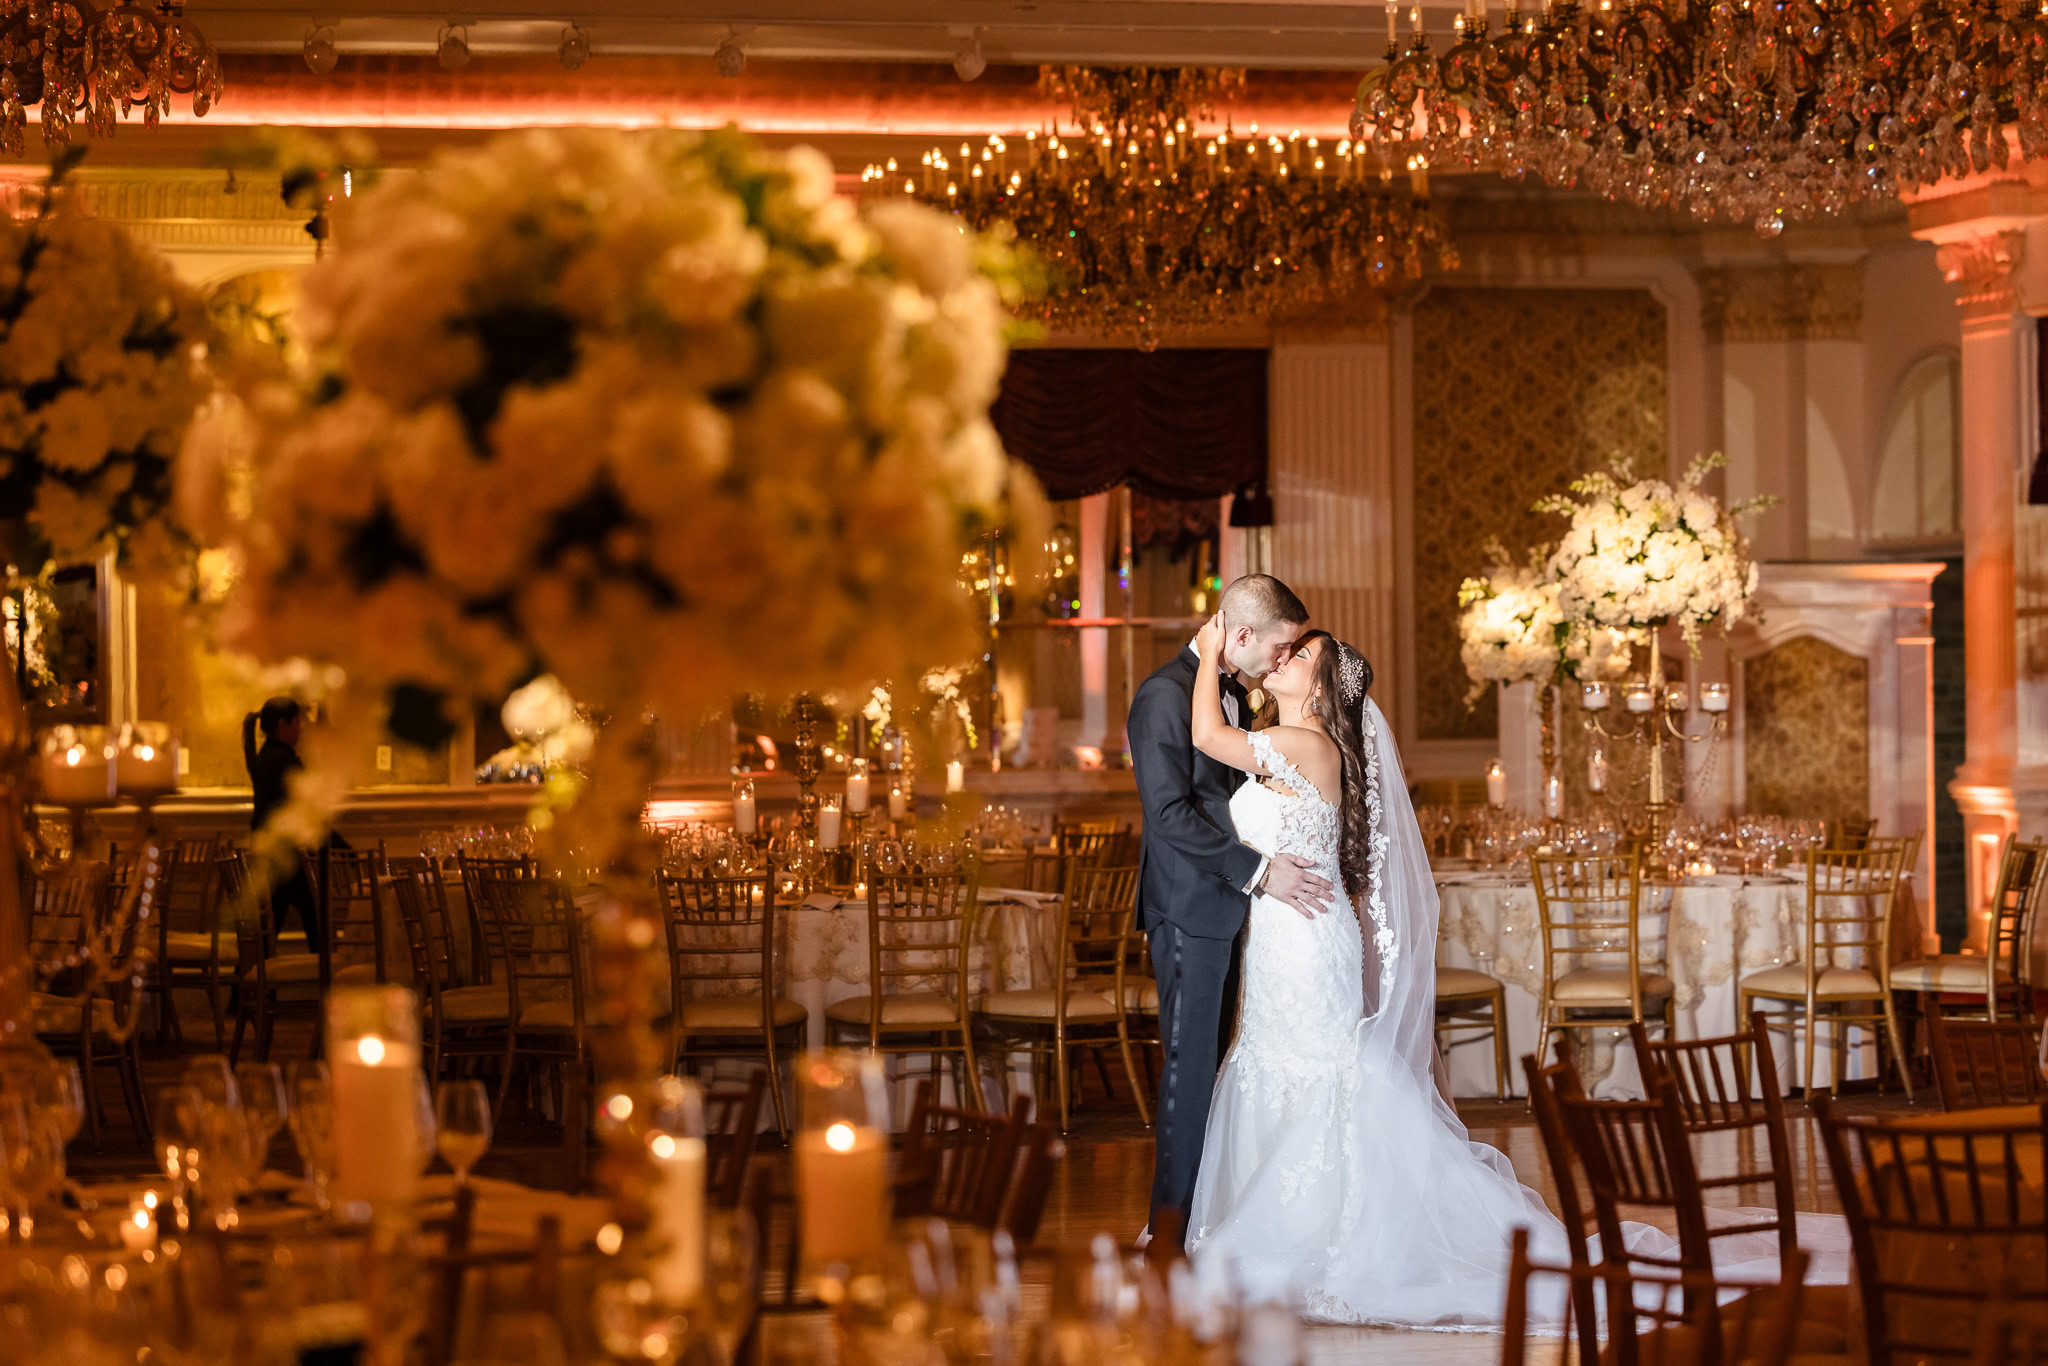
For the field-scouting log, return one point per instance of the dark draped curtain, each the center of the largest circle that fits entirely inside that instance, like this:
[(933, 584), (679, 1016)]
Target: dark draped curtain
[(1171, 424)]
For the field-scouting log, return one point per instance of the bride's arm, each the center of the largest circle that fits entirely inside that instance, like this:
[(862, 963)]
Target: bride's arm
[(1308, 750)]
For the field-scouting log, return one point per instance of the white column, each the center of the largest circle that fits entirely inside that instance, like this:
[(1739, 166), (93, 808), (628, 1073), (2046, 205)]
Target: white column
[(1332, 475), (1096, 548)]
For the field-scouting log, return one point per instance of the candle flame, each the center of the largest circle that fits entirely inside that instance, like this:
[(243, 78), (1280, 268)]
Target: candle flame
[(145, 752), (839, 1137), (142, 1218), (370, 1049), (74, 755), (149, 1199), (662, 1145)]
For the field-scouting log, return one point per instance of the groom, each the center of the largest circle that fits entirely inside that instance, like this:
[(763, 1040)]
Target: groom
[(1195, 880)]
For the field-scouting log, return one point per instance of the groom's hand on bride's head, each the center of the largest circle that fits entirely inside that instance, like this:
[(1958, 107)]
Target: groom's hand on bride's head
[(1289, 879)]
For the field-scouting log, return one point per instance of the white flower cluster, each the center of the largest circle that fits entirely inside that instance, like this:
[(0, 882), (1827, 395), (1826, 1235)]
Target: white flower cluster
[(1645, 553), (1509, 628), (102, 366), (655, 413)]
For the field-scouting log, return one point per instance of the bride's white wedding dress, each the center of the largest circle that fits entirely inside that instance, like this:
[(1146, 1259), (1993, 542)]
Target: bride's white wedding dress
[(1334, 1169)]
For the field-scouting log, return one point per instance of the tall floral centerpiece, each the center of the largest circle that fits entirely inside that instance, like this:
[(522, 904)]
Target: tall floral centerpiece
[(1512, 629), (657, 414), (1643, 554), (103, 361)]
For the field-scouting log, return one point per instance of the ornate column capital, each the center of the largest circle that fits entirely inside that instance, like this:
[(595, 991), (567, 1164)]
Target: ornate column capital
[(1984, 268), (1781, 302)]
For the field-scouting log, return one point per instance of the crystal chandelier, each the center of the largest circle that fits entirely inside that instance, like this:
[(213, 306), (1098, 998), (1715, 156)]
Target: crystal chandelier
[(69, 58), (1759, 109), (1146, 213)]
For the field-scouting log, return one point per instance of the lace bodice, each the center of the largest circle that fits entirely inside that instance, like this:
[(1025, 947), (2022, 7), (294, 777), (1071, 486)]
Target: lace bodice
[(1292, 818)]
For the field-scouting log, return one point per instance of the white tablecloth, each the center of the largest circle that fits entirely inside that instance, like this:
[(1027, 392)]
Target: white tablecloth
[(1717, 930)]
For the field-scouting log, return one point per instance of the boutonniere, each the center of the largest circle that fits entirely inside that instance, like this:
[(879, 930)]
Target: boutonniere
[(1256, 700)]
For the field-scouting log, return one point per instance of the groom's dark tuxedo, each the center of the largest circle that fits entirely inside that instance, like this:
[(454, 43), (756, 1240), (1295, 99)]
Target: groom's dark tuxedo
[(1194, 879)]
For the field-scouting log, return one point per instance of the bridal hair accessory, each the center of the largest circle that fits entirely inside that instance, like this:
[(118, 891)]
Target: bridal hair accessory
[(1351, 674)]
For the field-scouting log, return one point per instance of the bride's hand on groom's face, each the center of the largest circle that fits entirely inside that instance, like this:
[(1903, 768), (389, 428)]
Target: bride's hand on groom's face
[(1289, 879)]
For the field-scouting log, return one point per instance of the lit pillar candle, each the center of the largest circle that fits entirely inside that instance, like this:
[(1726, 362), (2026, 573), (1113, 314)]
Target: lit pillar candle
[(675, 1149), (77, 767), (138, 1229), (1713, 697), (1594, 696), (1640, 697), (1496, 784), (744, 818), (842, 1161), (857, 786), (146, 763), (956, 776), (374, 1060), (830, 817), (899, 802)]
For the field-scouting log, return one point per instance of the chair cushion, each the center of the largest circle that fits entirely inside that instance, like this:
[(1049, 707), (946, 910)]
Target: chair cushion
[(905, 1010), (1789, 982), (185, 946), (1043, 1005), (1140, 993), (475, 1005), (293, 969), (1452, 982), (356, 975), (736, 1014), (559, 1014), (1950, 972), (1604, 986)]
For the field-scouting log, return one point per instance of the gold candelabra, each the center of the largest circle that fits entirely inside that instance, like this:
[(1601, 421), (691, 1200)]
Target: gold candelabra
[(1656, 712)]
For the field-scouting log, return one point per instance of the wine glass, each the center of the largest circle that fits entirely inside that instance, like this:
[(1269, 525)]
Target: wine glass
[(172, 1118), (263, 1105), (462, 1119), (730, 1250), (312, 1123), (31, 1159)]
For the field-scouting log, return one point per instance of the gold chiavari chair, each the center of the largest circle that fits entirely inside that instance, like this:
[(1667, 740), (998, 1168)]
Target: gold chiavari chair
[(273, 983), (723, 986), (732, 1124), (354, 912), (1985, 1062), (921, 929), (472, 868), (1849, 898), (535, 936), (459, 1021), (1680, 1320), (957, 1163), (1590, 914), (1082, 1010), (189, 934), (1946, 1221), (2001, 974), (1091, 844), (1472, 1004), (69, 915)]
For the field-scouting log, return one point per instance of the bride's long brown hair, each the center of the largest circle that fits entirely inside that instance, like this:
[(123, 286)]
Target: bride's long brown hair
[(1340, 721)]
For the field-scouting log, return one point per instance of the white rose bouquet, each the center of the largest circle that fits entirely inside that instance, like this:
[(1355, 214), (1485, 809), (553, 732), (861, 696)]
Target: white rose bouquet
[(656, 414), (1643, 553), (102, 366), (1512, 629)]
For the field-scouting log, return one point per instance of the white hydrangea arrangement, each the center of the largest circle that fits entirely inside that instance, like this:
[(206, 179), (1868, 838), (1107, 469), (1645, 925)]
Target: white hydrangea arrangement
[(103, 362), (1512, 629), (1641, 554), (657, 414)]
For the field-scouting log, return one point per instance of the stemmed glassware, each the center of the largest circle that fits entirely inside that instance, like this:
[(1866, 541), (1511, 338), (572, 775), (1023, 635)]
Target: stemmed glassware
[(312, 1124), (462, 1116), (264, 1107)]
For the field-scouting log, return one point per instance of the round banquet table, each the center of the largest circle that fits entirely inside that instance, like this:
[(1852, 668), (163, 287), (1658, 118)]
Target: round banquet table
[(1706, 933)]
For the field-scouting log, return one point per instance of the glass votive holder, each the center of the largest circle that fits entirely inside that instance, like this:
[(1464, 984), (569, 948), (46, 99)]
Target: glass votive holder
[(746, 817), (1715, 697), (1496, 783), (1594, 696), (76, 768), (899, 801), (831, 820), (857, 787), (146, 760), (1676, 696), (842, 1162), (373, 1058), (675, 1149), (1639, 697)]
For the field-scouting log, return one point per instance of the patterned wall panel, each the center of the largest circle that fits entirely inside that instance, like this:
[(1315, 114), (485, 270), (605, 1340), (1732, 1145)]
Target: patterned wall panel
[(1515, 392), (1806, 716)]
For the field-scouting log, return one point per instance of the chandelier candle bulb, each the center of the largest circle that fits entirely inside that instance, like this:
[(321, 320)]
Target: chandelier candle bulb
[(1714, 697), (1496, 784)]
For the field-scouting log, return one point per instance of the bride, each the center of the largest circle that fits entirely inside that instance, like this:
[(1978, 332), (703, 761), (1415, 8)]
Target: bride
[(1334, 1167)]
